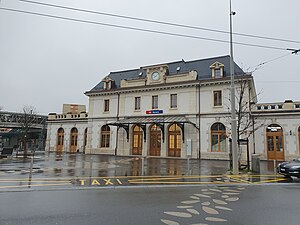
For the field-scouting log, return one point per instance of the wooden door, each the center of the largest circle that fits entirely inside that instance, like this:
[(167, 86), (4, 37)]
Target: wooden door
[(60, 140), (73, 140), (275, 145), (137, 143), (155, 140), (174, 141)]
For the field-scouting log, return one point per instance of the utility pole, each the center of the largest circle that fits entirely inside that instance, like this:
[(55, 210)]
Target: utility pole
[(235, 169)]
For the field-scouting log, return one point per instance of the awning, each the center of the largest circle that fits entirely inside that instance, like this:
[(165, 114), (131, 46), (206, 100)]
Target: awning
[(160, 121), (152, 119)]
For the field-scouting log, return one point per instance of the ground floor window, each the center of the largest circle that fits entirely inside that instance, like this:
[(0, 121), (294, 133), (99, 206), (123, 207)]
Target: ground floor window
[(218, 137), (105, 136)]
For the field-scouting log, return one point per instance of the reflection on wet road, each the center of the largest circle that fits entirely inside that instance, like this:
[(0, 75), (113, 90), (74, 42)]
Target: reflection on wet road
[(81, 171)]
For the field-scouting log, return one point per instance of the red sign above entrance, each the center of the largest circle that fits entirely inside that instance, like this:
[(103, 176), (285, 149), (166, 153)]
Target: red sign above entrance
[(155, 111)]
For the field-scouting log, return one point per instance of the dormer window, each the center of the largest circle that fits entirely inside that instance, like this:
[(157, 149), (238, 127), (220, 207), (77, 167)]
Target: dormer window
[(217, 70), (217, 73), (108, 83)]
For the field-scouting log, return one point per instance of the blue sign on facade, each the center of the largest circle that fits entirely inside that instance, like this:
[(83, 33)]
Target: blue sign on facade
[(154, 111)]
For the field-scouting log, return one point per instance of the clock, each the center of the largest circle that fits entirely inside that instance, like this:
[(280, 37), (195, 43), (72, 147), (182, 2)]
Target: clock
[(155, 76)]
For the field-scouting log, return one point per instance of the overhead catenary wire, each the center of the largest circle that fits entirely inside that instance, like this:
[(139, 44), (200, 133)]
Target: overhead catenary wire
[(141, 29), (258, 66), (159, 22)]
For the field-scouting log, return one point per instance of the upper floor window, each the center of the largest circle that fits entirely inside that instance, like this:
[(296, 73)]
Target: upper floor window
[(173, 101), (106, 105), (137, 103), (155, 102), (217, 98), (217, 70)]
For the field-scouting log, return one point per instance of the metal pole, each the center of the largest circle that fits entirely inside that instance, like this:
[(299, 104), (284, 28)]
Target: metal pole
[(235, 169)]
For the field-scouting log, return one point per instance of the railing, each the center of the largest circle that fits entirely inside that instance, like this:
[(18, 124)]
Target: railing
[(54, 116), (276, 106)]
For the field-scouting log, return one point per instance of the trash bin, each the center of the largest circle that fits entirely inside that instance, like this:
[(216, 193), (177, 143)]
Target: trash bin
[(255, 162)]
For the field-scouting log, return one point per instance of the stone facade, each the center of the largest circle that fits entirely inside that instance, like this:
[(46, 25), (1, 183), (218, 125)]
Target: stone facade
[(179, 109)]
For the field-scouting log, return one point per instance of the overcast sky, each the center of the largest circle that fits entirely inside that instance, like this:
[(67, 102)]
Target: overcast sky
[(45, 62)]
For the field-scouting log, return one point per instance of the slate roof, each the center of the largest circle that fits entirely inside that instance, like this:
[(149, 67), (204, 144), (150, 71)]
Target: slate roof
[(202, 66)]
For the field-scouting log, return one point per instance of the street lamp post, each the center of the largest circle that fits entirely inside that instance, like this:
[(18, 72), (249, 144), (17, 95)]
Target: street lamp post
[(235, 169)]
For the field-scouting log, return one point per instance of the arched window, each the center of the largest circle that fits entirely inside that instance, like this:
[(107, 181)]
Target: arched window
[(137, 142), (105, 136), (73, 140), (60, 140), (174, 140), (218, 137)]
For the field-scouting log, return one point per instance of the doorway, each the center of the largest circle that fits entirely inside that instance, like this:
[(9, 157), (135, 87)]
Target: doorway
[(155, 140), (275, 145), (137, 142)]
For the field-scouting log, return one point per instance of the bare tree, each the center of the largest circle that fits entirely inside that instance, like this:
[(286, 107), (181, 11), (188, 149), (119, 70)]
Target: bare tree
[(245, 96), (29, 117)]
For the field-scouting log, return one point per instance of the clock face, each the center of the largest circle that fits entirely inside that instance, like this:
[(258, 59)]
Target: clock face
[(155, 76)]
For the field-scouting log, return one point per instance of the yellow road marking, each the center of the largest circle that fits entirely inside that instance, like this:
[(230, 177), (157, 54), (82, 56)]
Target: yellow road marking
[(182, 182), (35, 185), (269, 181), (32, 181)]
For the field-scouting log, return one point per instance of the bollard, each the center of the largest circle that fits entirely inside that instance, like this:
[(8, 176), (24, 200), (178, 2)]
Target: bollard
[(274, 161), (91, 166), (142, 172), (30, 172)]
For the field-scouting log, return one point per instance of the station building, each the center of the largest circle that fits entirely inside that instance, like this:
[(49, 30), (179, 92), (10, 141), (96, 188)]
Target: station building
[(178, 109)]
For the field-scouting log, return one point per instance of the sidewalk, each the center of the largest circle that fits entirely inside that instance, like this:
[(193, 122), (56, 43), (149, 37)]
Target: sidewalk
[(79, 165)]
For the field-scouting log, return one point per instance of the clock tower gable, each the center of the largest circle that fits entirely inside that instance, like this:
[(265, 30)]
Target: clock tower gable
[(156, 74)]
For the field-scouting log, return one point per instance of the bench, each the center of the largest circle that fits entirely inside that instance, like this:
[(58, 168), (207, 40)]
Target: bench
[(6, 151)]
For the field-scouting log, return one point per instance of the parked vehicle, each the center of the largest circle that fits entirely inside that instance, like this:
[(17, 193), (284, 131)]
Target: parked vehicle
[(290, 169)]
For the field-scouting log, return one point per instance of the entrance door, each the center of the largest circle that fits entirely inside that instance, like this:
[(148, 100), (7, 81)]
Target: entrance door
[(155, 140), (174, 141), (73, 144), (137, 143), (275, 146), (60, 140)]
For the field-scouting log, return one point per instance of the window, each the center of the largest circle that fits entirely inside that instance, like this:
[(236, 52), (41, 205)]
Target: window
[(106, 105), (217, 98), (105, 136), (137, 103), (217, 70), (217, 73), (155, 102), (218, 137), (173, 103)]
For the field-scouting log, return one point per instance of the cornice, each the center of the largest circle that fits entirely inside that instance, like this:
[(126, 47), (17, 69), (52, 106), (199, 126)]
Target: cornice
[(149, 88)]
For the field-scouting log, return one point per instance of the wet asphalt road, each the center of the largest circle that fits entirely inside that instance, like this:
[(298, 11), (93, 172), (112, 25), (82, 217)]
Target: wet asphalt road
[(51, 171), (246, 205)]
